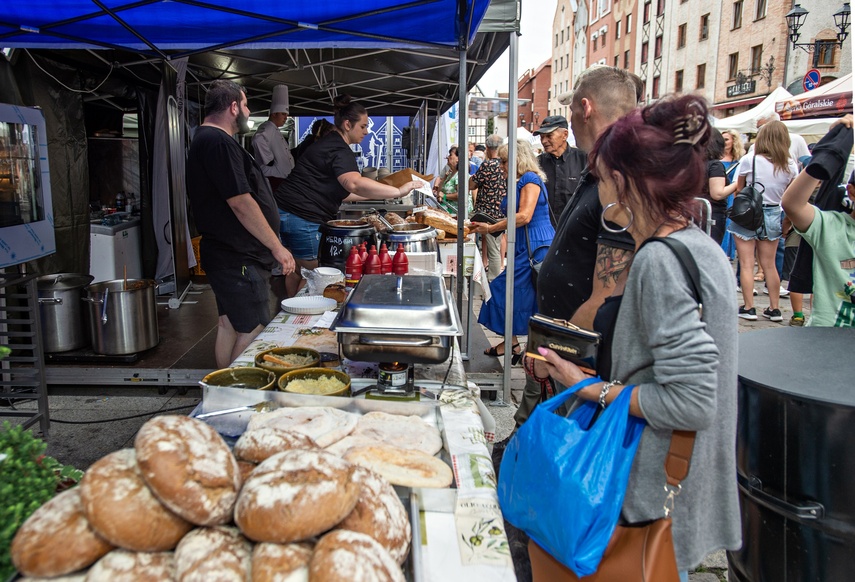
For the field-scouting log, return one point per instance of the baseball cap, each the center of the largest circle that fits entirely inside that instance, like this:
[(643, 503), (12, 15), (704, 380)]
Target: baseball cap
[(552, 123)]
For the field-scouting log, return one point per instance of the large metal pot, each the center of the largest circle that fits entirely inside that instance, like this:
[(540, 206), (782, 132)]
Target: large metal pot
[(122, 316), (61, 312), (337, 236), (416, 238)]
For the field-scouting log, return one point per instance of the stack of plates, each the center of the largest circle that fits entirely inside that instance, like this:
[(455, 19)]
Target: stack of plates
[(310, 305)]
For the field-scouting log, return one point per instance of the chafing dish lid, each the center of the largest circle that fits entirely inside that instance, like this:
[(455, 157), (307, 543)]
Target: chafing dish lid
[(423, 306)]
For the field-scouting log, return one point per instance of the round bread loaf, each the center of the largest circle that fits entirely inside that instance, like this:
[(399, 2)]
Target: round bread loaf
[(122, 509), (352, 556), (56, 539), (189, 468), (264, 442), (406, 432), (245, 469), (380, 514), (281, 562), (213, 554), (76, 577), (323, 424), (124, 566), (336, 291), (402, 466), (295, 495)]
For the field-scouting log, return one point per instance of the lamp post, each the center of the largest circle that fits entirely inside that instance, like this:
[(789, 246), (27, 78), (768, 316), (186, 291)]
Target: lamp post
[(536, 117), (795, 20), (522, 119)]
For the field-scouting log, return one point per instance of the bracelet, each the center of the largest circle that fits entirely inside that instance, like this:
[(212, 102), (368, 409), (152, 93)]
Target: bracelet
[(605, 390)]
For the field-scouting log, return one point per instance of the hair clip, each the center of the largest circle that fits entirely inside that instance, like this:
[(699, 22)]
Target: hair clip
[(686, 129)]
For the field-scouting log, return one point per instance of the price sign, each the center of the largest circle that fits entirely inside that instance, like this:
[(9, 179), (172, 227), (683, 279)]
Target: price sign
[(811, 80)]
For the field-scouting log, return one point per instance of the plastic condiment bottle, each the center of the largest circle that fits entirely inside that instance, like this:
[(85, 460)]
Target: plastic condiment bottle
[(385, 260), (363, 254), (400, 264), (372, 265), (352, 269)]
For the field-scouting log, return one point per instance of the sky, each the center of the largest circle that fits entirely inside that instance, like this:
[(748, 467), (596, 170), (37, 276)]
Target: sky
[(534, 46)]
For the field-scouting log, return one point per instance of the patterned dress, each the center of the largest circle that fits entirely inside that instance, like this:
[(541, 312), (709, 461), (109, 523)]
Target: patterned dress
[(492, 189)]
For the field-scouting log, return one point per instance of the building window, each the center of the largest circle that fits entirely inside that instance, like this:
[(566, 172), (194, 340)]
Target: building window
[(556, 38), (705, 27), (678, 81), (756, 59), (628, 23), (733, 66), (737, 14), (617, 61), (617, 30), (660, 7), (760, 11), (644, 49), (626, 60), (681, 36), (701, 77), (647, 12), (657, 48), (655, 91), (594, 43), (823, 54)]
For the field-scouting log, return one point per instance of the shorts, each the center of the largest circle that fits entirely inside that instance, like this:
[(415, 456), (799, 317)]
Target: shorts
[(243, 295), (299, 236), (789, 260), (772, 219)]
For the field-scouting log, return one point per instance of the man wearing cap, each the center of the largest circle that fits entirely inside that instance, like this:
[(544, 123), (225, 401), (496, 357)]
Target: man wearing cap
[(562, 164), (271, 149)]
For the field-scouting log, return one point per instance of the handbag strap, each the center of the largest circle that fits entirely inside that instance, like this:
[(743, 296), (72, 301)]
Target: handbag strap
[(688, 264)]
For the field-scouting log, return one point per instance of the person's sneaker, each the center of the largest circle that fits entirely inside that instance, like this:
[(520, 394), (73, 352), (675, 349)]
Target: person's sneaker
[(797, 321), (738, 288), (782, 293), (772, 314), (750, 314)]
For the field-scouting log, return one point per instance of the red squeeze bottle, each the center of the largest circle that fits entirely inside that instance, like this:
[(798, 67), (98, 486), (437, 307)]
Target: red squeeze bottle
[(363, 253), (400, 264), (385, 260), (372, 265), (352, 269)]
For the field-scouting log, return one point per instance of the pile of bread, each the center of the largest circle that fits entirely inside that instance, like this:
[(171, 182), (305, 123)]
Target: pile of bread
[(181, 505), (444, 223)]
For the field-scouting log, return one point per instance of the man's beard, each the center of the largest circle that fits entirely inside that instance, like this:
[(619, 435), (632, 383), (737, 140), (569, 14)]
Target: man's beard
[(242, 122)]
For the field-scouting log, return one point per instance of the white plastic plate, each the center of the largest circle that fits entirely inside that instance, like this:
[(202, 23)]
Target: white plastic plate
[(311, 305)]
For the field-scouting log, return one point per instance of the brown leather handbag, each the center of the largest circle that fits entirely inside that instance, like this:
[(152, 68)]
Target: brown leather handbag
[(638, 552)]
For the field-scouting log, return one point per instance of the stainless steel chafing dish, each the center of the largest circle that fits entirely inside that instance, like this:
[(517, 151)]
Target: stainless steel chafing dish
[(408, 319)]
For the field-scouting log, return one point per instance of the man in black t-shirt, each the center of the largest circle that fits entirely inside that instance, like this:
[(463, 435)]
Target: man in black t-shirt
[(237, 217), (562, 163), (584, 261)]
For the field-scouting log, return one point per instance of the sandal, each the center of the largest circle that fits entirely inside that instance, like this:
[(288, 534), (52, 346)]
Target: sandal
[(760, 277), (495, 354)]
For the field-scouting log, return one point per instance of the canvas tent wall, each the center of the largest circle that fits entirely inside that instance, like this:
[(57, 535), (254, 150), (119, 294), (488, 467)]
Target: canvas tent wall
[(746, 122), (813, 112)]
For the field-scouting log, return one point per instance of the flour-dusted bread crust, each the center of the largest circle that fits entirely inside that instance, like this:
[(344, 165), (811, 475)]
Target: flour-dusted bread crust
[(245, 468), (281, 562), (380, 514), (123, 510), (405, 432), (56, 539), (189, 468), (352, 556), (124, 566), (213, 554), (295, 495), (402, 466), (323, 424), (341, 447), (263, 442), (76, 577)]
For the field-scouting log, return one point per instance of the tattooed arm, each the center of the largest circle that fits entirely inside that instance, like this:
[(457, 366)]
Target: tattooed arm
[(611, 264)]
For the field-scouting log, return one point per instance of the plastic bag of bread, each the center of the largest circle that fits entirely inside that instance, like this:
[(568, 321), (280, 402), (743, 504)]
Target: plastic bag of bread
[(394, 219), (440, 220)]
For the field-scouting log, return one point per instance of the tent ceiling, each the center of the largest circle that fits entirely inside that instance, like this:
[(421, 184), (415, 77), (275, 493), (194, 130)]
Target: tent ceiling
[(390, 55)]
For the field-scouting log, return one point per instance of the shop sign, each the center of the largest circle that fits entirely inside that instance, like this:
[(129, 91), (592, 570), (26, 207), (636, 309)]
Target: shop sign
[(741, 88)]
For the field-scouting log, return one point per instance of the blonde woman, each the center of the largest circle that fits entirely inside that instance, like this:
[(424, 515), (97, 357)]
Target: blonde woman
[(532, 214), (769, 164), (733, 152)]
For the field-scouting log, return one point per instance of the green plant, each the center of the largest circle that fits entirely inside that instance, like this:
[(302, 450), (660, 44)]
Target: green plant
[(28, 479)]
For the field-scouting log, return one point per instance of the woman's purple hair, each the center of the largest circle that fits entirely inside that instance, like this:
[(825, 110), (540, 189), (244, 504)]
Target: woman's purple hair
[(661, 150)]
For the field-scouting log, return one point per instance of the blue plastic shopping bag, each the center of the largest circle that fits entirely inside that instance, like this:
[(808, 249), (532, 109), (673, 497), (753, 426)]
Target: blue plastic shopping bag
[(563, 480)]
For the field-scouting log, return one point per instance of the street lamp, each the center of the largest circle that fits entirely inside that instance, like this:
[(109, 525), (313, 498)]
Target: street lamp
[(795, 19), (536, 117), (522, 119)]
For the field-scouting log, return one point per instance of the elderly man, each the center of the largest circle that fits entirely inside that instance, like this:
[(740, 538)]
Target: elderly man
[(271, 149), (492, 188), (237, 216), (562, 164), (585, 260)]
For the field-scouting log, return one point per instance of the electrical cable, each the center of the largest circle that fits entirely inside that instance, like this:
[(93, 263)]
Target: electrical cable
[(177, 408), (110, 72)]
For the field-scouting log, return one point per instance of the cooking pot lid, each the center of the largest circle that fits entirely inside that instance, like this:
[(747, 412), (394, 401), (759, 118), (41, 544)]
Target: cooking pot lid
[(63, 281)]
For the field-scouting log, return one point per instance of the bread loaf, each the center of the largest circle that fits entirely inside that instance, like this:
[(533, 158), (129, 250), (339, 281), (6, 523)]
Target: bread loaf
[(352, 556), (213, 554), (189, 468), (440, 220), (380, 514), (336, 291), (122, 509), (124, 566), (323, 424), (394, 219), (264, 442), (281, 562), (404, 467), (406, 432), (295, 495), (56, 539), (245, 469)]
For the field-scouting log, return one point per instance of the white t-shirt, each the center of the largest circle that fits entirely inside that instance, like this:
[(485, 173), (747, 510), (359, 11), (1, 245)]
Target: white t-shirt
[(775, 182)]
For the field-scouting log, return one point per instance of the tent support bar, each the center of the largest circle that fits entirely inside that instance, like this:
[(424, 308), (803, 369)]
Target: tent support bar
[(129, 28), (462, 186)]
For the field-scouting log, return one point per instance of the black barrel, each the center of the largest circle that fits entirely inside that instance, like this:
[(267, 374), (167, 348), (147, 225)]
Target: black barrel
[(795, 461), (337, 236)]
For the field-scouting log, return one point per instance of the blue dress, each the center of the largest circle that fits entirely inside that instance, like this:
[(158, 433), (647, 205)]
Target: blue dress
[(540, 234)]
